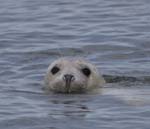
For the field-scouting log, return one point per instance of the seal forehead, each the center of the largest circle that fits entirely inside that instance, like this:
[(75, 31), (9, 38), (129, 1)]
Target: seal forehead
[(63, 62), (73, 62)]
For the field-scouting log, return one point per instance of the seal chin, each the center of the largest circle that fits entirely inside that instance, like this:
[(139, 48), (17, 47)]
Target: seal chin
[(69, 89), (72, 90)]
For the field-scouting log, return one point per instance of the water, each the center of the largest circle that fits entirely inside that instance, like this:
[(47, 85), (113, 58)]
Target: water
[(113, 34)]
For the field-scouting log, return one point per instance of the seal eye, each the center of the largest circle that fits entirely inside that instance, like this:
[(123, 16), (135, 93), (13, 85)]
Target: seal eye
[(86, 71), (54, 70)]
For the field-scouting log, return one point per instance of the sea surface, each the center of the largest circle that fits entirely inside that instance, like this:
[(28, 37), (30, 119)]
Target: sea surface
[(113, 34)]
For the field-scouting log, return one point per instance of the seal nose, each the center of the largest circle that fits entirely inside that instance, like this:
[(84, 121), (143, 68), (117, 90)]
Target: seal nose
[(68, 77)]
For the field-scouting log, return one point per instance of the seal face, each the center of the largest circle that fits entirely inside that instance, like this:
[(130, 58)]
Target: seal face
[(72, 76)]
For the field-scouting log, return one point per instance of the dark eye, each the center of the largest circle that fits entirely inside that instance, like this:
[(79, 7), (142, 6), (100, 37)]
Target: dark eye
[(54, 70), (86, 71)]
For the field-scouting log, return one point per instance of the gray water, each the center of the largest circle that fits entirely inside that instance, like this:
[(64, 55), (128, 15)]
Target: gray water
[(113, 34)]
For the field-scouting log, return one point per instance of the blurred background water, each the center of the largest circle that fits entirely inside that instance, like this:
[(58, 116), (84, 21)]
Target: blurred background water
[(112, 34)]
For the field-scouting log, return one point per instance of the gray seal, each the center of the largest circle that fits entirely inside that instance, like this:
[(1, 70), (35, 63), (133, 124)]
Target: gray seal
[(67, 75)]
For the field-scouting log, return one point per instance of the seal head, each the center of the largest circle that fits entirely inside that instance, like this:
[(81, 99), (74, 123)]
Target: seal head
[(72, 76)]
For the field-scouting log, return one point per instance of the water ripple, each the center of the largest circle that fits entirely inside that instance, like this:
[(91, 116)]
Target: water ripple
[(114, 35)]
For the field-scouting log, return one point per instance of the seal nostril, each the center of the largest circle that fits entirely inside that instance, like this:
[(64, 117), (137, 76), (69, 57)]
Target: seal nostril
[(68, 77)]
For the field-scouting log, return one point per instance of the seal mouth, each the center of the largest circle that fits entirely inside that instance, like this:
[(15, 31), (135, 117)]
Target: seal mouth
[(68, 85), (68, 78)]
